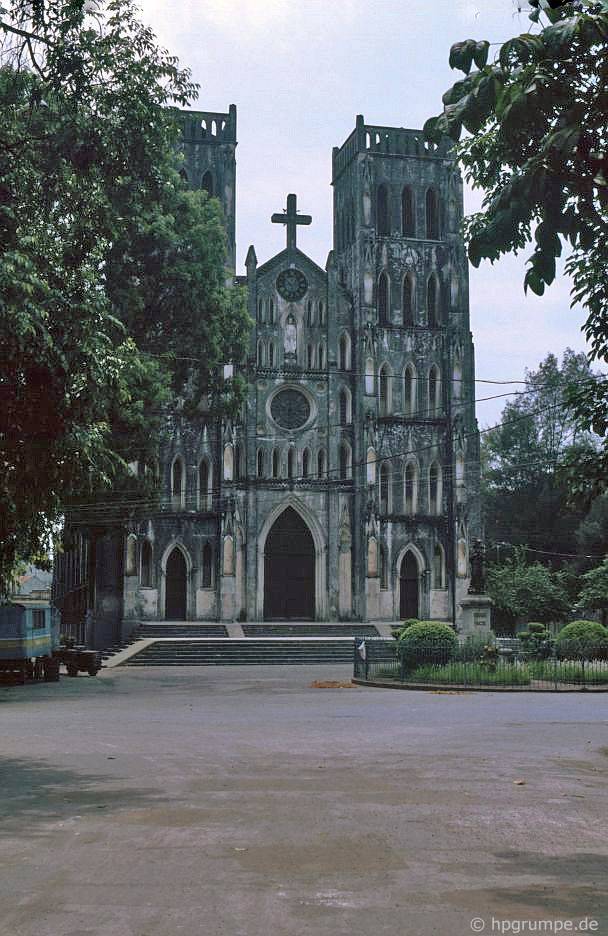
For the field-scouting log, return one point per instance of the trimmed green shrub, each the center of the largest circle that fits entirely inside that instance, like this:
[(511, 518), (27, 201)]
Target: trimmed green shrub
[(403, 627), (427, 642), (537, 640), (582, 640)]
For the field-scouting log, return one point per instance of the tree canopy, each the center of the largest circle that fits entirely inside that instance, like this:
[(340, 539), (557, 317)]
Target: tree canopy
[(526, 459), (112, 282), (536, 142), (526, 591)]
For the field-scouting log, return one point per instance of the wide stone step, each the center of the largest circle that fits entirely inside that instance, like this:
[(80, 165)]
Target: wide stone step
[(309, 630), (243, 652), (180, 630)]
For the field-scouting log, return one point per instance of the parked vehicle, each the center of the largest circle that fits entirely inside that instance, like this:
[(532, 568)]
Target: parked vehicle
[(25, 642), (77, 659)]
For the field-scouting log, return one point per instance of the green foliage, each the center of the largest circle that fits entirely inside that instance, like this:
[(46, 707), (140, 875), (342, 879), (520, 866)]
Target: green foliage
[(427, 641), (472, 649), (594, 593), (110, 271), (520, 590), (566, 671), (404, 626), (537, 144), (470, 674), (592, 532), (524, 485), (582, 640), (536, 640)]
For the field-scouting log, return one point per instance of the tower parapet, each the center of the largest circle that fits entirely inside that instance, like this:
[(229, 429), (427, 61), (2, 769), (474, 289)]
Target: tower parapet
[(384, 141)]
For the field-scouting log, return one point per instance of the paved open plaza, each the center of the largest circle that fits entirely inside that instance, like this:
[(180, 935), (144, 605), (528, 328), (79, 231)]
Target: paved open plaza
[(245, 801)]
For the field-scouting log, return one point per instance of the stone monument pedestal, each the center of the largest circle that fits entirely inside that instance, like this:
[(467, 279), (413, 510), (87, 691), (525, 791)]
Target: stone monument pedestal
[(476, 616)]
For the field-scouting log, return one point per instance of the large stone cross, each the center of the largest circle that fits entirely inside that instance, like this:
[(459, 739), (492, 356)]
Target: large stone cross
[(291, 218)]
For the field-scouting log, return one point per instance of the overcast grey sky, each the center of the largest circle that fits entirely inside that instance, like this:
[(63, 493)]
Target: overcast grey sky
[(299, 71)]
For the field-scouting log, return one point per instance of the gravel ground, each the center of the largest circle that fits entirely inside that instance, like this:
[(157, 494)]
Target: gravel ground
[(241, 800)]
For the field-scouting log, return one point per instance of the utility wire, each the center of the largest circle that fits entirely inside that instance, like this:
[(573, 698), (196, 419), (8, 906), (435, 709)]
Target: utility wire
[(378, 460)]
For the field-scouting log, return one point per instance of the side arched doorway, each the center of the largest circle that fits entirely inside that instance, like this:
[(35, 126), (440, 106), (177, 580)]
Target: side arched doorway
[(176, 581), (409, 587), (289, 569)]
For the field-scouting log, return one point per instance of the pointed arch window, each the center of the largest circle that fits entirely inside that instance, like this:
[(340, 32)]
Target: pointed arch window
[(275, 463), (261, 311), (407, 307), (322, 464), (345, 407), (207, 183), (131, 563), (408, 214), (292, 468), (369, 376), (228, 463), (271, 354), (204, 485), (310, 356), (409, 391), (344, 352), (322, 356), (207, 566), (345, 461), (383, 225), (238, 462), (146, 564), (457, 378), (306, 463), (438, 567), (178, 483), (260, 463), (385, 489), (383, 299), (411, 489), (310, 315), (385, 390), (321, 313), (434, 391), (432, 302), (432, 214), (260, 353), (435, 493)]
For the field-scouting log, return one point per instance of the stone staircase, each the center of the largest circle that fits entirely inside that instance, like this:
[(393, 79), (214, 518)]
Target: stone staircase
[(242, 652), (310, 630), (179, 629)]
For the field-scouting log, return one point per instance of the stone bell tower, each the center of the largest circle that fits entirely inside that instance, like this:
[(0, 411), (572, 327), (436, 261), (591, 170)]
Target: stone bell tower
[(400, 255), (209, 147)]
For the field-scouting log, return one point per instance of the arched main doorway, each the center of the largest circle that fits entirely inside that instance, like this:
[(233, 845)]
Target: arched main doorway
[(176, 579), (289, 569), (409, 587)]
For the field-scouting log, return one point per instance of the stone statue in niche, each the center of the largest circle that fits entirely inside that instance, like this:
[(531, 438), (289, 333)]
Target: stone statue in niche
[(290, 340)]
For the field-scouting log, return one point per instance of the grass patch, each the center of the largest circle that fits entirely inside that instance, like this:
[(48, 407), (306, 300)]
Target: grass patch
[(594, 673), (471, 674)]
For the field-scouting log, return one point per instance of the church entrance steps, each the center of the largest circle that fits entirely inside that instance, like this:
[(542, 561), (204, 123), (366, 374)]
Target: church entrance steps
[(179, 629), (309, 630), (249, 651)]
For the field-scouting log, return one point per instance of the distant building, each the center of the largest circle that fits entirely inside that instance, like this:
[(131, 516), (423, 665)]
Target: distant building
[(348, 489)]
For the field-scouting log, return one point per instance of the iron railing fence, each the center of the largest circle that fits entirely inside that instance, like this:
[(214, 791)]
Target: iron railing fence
[(471, 665)]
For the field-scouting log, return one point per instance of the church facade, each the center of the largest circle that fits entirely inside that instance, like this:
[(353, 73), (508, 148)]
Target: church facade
[(348, 489)]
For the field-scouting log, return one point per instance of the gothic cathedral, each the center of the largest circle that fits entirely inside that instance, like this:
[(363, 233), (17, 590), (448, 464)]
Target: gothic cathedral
[(349, 488)]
